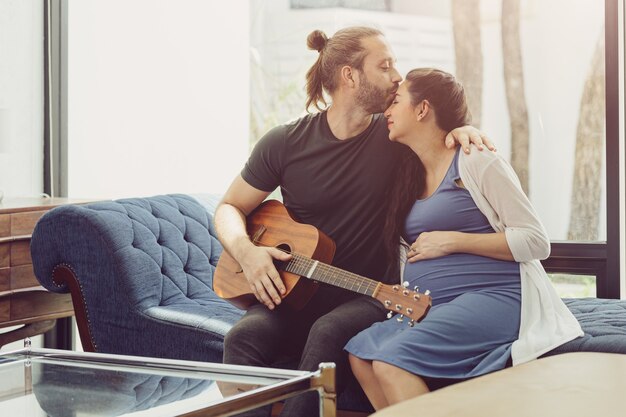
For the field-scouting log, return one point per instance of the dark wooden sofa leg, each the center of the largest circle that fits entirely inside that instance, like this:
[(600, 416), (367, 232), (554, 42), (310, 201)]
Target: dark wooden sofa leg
[(64, 275)]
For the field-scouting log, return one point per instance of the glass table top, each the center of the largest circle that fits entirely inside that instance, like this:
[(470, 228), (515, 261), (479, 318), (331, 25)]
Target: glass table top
[(44, 382)]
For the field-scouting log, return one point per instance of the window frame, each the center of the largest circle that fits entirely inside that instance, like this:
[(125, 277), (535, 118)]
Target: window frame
[(601, 259), (611, 287), (55, 98), (587, 258)]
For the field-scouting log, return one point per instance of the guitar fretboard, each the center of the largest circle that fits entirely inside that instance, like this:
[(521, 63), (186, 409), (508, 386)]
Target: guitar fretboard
[(318, 271)]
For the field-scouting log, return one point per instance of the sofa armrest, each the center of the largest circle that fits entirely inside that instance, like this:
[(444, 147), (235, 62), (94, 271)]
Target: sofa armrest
[(124, 259)]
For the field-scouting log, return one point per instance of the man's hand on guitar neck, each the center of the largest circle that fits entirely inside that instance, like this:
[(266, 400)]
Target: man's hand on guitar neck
[(258, 267)]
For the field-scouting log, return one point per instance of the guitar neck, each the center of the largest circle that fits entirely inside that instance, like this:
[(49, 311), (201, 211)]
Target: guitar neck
[(328, 274)]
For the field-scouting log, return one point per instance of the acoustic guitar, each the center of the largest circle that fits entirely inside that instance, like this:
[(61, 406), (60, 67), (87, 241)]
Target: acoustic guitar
[(271, 224)]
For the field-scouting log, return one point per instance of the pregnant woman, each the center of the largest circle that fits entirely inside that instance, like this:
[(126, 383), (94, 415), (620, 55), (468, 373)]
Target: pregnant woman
[(476, 246)]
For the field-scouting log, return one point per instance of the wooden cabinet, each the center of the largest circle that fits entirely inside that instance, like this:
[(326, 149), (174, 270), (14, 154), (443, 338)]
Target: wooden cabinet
[(22, 300)]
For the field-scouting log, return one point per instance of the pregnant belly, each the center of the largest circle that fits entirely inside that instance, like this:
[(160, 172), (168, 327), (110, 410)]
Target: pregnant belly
[(455, 274)]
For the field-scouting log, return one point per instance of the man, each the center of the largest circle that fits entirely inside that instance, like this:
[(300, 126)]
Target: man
[(333, 168)]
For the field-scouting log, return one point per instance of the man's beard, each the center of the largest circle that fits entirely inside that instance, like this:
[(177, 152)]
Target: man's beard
[(372, 98)]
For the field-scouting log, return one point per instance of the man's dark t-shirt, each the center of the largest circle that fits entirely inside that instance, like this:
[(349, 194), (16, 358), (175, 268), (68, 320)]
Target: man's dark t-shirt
[(335, 185)]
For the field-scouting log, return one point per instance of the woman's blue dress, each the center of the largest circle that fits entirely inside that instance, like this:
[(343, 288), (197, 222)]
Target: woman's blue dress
[(476, 300)]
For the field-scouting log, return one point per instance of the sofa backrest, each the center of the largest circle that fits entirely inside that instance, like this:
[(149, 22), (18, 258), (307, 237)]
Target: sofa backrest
[(160, 248), (141, 273)]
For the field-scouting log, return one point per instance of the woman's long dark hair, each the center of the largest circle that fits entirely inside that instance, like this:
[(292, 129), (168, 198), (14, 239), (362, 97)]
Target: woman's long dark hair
[(446, 97), (408, 185)]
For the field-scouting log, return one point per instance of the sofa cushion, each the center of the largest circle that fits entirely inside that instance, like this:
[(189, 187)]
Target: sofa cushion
[(604, 324)]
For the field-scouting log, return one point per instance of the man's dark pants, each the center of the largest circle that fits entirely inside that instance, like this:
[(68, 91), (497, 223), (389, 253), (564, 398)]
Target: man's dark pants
[(315, 334)]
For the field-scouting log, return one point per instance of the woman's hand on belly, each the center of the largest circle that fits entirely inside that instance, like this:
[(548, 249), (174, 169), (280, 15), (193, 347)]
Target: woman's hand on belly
[(429, 245)]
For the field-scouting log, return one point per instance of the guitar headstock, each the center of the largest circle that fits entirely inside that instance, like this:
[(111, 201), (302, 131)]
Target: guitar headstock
[(409, 303)]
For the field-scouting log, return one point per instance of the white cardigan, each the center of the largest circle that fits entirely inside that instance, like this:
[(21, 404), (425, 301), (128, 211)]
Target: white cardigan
[(546, 322)]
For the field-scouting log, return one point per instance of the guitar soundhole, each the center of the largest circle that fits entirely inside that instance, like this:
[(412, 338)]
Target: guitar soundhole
[(280, 265)]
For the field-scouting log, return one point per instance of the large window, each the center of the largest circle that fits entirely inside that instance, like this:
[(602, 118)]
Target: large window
[(536, 80), (170, 96)]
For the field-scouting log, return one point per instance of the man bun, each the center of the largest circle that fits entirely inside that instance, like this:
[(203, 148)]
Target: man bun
[(317, 40)]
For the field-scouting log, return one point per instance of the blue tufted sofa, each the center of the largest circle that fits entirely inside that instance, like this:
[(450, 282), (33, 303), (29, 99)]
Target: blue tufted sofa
[(140, 272), (143, 270)]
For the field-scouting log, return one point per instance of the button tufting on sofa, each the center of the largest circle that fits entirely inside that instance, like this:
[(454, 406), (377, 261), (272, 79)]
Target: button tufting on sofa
[(129, 256)]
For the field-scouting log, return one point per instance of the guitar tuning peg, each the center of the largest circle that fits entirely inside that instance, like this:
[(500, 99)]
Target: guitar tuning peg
[(405, 284), (400, 318), (411, 323), (389, 315), (416, 288), (427, 292)]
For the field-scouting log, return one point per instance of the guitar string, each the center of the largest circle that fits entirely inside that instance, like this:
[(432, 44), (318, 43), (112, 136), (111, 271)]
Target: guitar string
[(351, 279), (348, 278), (324, 270), (369, 290), (306, 263)]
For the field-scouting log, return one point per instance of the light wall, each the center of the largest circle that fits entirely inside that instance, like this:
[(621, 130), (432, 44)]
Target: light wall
[(158, 96)]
